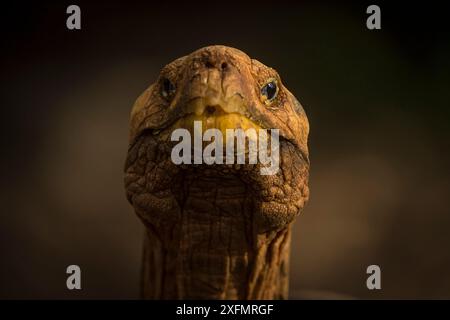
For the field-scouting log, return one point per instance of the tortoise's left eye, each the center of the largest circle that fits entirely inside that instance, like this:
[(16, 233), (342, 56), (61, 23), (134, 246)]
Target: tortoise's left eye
[(269, 91), (167, 88)]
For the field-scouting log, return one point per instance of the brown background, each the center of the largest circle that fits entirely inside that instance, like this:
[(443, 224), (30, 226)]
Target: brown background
[(378, 108)]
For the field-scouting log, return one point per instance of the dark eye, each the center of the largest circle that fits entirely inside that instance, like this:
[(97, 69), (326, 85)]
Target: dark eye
[(269, 90), (167, 88)]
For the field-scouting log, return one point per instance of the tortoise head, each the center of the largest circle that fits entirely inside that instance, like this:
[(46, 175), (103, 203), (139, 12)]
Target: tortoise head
[(220, 88)]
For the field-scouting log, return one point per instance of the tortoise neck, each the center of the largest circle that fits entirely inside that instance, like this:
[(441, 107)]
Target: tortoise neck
[(214, 251)]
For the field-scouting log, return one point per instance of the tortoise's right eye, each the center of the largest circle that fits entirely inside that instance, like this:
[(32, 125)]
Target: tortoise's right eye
[(167, 88)]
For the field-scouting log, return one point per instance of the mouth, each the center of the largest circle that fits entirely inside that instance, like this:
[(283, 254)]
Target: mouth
[(212, 112), (215, 118), (215, 112)]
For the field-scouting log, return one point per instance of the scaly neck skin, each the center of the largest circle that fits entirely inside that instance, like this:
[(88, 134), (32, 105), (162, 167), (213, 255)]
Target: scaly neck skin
[(214, 251)]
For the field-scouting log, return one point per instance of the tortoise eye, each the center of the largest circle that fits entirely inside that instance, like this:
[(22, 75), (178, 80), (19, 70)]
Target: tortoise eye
[(269, 91), (167, 88)]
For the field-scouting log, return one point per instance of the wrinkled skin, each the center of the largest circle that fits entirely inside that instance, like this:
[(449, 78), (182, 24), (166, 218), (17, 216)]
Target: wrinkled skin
[(215, 231)]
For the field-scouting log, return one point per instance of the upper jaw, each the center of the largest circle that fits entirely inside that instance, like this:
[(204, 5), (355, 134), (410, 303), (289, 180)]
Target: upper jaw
[(209, 104), (215, 110)]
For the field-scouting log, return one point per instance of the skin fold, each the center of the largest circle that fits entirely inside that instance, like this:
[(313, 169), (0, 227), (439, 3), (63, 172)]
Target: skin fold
[(219, 231)]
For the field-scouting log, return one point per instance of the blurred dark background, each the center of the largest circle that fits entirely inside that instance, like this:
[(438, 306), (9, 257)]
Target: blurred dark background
[(378, 106)]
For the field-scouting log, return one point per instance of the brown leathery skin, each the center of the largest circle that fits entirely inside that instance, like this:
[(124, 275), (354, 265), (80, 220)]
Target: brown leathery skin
[(215, 231)]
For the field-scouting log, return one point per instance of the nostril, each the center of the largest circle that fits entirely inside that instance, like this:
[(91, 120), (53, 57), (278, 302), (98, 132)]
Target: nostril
[(209, 65), (210, 110), (224, 65)]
